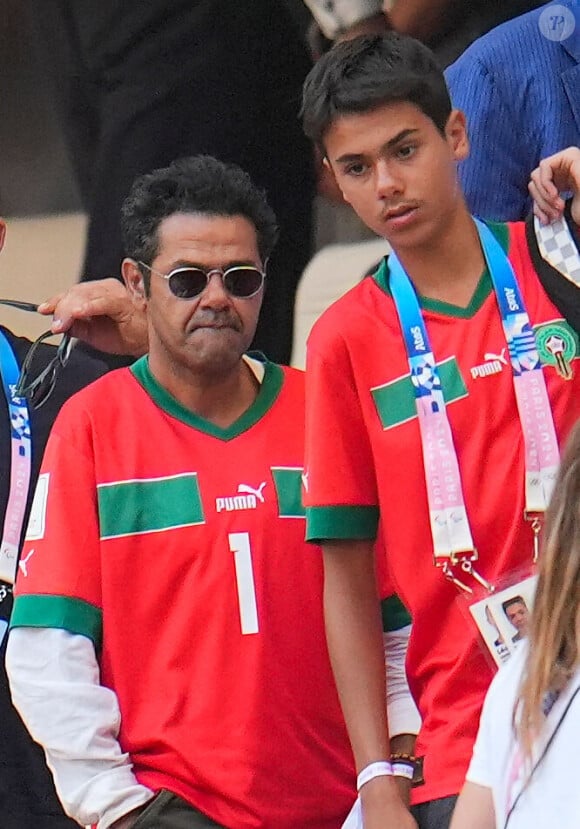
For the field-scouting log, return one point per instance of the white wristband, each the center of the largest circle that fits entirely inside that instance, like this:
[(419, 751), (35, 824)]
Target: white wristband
[(380, 769), (403, 770)]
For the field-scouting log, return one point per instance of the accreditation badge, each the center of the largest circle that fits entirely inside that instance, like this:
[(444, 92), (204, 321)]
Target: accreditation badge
[(503, 617)]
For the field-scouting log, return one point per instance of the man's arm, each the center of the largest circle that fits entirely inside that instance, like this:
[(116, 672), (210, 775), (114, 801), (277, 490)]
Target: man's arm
[(54, 680), (102, 314), (355, 642)]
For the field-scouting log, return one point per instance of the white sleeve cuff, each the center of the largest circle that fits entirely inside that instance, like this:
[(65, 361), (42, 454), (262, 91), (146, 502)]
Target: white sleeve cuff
[(403, 715)]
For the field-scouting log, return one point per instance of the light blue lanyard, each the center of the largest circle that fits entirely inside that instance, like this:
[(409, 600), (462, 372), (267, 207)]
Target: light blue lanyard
[(20, 470), (452, 539)]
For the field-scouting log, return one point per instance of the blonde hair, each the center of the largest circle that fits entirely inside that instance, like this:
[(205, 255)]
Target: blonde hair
[(554, 638)]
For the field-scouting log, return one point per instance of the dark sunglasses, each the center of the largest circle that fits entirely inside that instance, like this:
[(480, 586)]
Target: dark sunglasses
[(36, 383), (240, 281)]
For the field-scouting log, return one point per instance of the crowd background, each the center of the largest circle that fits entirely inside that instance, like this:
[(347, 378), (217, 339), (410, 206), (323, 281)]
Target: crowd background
[(38, 191)]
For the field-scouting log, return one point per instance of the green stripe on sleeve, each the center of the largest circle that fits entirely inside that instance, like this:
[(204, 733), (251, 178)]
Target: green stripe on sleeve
[(341, 523), (74, 615), (149, 505), (395, 614)]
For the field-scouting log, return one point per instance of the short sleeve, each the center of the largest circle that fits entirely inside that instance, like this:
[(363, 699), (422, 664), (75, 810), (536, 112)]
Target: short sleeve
[(341, 492)]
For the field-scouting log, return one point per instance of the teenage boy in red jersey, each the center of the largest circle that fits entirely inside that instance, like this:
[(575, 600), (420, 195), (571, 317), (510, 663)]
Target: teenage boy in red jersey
[(168, 646), (437, 392)]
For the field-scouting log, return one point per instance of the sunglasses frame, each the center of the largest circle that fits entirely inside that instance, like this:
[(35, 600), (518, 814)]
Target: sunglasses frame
[(31, 388), (208, 274)]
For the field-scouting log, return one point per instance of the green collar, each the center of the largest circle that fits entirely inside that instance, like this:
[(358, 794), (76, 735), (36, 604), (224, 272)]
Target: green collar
[(269, 390), (483, 290)]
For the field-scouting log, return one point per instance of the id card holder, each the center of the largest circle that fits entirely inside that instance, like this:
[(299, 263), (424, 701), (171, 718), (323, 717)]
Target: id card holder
[(502, 618)]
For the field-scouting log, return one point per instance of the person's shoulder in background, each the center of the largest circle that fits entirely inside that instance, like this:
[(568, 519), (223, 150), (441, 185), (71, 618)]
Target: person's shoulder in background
[(517, 87)]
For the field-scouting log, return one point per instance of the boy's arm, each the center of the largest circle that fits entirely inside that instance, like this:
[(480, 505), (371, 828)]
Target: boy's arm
[(355, 643)]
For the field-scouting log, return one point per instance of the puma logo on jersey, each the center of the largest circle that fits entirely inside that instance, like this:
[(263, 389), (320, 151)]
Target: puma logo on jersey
[(494, 364), (247, 498), (489, 355), (251, 491), (23, 563)]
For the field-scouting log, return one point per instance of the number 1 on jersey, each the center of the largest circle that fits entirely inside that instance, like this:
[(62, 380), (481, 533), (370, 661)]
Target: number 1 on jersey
[(240, 547)]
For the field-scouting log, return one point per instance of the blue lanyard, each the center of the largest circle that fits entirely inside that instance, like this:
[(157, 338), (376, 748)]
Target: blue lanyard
[(20, 470), (452, 540)]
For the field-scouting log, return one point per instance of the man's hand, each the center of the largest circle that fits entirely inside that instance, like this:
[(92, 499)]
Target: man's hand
[(102, 314), (553, 175), (382, 806)]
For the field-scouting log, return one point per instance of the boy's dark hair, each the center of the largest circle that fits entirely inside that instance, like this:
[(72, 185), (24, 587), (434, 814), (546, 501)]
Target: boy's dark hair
[(199, 184), (366, 72)]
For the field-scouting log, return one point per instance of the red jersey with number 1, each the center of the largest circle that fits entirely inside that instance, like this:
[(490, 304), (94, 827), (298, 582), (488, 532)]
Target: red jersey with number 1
[(178, 548)]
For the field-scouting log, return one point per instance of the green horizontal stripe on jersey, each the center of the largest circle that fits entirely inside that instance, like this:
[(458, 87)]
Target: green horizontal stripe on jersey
[(341, 523), (149, 505), (288, 484), (395, 401), (395, 614), (63, 612)]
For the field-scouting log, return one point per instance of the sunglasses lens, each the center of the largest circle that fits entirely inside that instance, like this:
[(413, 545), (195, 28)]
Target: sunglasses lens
[(44, 389), (187, 282), (243, 282), (38, 377)]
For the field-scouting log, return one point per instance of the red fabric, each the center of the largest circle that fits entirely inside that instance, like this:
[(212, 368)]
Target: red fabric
[(357, 346), (247, 728)]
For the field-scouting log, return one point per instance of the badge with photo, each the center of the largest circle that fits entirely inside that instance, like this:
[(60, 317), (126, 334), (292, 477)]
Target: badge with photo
[(503, 618)]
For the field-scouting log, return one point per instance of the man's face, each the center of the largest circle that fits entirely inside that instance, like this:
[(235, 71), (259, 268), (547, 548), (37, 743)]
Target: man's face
[(209, 333), (519, 616), (398, 171)]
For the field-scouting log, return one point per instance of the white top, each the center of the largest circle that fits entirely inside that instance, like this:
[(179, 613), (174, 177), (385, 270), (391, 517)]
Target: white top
[(551, 797), (54, 680)]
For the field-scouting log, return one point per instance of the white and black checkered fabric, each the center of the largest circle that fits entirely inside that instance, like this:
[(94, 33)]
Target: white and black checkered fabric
[(558, 249)]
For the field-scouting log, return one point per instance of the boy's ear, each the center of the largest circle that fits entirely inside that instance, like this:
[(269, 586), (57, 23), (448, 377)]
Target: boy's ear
[(328, 185), (456, 134), (2, 232), (134, 282)]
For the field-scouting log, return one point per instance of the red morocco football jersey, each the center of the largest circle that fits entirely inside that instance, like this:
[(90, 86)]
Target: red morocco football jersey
[(364, 461), (178, 548)]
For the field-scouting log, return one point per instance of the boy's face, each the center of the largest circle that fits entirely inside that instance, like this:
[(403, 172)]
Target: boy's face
[(398, 171)]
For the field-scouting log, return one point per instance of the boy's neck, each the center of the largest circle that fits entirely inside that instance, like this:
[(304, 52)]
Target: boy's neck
[(449, 269)]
